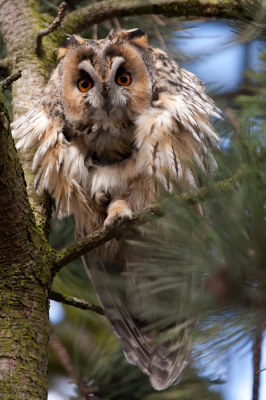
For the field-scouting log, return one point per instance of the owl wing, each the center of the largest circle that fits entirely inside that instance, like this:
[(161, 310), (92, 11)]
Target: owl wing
[(175, 135), (59, 161)]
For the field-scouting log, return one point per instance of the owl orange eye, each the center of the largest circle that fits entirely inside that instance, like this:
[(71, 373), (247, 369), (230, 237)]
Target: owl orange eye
[(84, 84), (123, 79)]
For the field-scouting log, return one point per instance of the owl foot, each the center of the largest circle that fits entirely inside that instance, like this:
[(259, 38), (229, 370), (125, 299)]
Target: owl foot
[(102, 200), (118, 213)]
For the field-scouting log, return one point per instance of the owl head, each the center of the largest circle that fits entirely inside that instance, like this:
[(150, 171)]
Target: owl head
[(104, 82)]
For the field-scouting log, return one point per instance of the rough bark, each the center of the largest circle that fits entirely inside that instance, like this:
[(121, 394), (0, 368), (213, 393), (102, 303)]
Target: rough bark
[(24, 252), (25, 281)]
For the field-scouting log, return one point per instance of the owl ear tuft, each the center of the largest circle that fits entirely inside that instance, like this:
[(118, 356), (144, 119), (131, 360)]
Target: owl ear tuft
[(137, 36), (68, 44)]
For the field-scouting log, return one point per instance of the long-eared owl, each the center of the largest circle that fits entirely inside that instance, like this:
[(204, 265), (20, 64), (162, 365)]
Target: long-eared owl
[(117, 117)]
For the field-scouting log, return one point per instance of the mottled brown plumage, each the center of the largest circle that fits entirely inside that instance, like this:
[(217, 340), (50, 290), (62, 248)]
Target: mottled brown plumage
[(116, 118)]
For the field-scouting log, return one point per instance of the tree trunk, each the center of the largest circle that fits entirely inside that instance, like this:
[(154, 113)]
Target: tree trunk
[(24, 285), (24, 252)]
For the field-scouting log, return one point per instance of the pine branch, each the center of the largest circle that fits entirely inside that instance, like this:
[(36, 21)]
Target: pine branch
[(84, 17), (141, 217), (63, 355), (51, 28), (73, 301)]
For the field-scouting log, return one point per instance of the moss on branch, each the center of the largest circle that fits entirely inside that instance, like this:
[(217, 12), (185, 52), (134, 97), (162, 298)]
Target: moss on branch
[(80, 19), (73, 301), (9, 80), (51, 28)]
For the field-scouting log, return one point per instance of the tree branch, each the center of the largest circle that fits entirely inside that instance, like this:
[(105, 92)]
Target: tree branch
[(7, 82), (82, 18), (73, 301), (152, 212), (51, 28)]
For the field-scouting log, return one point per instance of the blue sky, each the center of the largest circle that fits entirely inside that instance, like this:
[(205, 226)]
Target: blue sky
[(220, 63), (240, 371)]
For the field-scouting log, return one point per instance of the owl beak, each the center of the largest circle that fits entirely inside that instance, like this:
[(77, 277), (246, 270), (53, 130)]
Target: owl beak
[(107, 107)]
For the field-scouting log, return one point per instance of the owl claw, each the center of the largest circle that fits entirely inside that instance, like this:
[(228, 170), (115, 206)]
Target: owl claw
[(117, 219)]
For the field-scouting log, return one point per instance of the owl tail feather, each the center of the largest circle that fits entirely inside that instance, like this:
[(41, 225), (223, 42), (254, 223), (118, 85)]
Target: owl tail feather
[(161, 364), (166, 366)]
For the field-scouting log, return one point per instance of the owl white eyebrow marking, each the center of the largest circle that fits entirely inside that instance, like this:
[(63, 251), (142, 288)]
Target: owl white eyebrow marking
[(87, 67), (117, 62)]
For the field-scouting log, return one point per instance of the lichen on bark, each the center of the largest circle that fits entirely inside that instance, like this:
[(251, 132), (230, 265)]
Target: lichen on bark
[(24, 324)]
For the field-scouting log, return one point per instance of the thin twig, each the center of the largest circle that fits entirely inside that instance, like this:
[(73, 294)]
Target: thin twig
[(159, 37), (95, 32), (257, 358), (63, 355), (229, 113), (94, 28), (51, 28), (141, 217), (116, 23), (73, 301), (7, 82), (158, 20)]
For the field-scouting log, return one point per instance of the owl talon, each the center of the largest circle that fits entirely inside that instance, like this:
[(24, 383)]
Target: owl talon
[(116, 220)]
